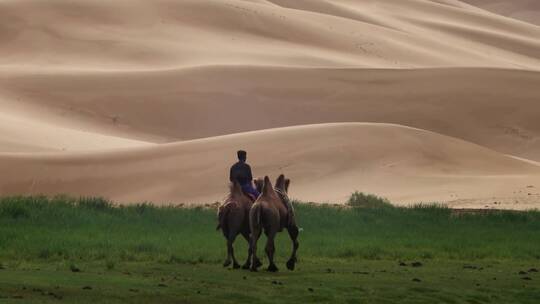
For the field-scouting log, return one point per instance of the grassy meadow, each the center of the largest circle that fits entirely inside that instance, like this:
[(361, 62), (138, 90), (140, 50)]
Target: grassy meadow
[(86, 250)]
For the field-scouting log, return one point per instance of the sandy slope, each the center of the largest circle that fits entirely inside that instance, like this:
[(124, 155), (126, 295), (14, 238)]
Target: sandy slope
[(495, 108), (326, 163), (91, 34), (21, 134), (525, 10), (76, 76)]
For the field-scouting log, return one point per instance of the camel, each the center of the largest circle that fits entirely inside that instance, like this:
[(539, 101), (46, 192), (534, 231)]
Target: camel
[(272, 212), (233, 219)]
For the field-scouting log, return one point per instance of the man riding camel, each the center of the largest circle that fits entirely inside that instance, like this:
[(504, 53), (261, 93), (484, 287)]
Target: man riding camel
[(241, 173)]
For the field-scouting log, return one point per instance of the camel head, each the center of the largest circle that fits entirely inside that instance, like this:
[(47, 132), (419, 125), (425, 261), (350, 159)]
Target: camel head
[(259, 184)]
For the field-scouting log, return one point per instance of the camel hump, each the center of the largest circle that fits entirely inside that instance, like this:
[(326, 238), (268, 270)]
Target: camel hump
[(280, 182), (267, 186), (236, 189)]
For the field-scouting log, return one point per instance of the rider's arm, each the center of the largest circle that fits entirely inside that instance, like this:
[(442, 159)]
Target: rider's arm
[(250, 176)]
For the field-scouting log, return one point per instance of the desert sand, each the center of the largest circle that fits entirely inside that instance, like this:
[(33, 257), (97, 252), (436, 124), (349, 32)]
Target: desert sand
[(525, 10), (414, 100)]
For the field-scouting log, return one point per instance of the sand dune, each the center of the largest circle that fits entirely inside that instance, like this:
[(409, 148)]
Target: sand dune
[(138, 105), (495, 108), (525, 10), (326, 163), (90, 34), (23, 134)]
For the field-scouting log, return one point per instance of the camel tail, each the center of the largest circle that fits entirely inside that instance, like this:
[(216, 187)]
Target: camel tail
[(223, 213), (255, 217)]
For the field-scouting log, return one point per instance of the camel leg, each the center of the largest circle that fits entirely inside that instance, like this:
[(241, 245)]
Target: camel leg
[(256, 263), (230, 252), (270, 249), (293, 233), (247, 264), (228, 260)]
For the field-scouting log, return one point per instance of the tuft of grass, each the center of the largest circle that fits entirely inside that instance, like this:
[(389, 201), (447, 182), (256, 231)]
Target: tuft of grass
[(74, 268), (95, 203), (44, 253), (110, 265), (145, 248), (362, 200), (13, 208)]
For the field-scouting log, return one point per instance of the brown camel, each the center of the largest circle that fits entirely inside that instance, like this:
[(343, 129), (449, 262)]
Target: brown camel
[(272, 212), (233, 219)]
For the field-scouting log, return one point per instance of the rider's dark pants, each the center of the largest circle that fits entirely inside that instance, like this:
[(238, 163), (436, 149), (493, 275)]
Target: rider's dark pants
[(248, 188)]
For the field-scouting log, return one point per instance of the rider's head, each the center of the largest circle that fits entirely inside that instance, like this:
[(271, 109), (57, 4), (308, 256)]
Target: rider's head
[(242, 155)]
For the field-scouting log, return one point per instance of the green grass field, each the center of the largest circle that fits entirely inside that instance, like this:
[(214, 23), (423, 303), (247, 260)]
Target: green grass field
[(87, 250)]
